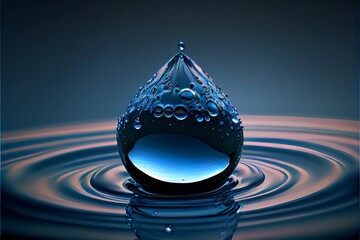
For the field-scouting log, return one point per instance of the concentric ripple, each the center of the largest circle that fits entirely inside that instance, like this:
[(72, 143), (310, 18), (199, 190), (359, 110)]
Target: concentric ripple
[(297, 178)]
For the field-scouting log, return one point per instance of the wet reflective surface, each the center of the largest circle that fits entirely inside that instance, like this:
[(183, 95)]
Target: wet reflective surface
[(297, 179)]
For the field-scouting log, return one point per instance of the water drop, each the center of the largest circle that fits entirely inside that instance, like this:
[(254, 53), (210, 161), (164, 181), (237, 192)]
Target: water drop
[(199, 117), (181, 46), (168, 229), (187, 95), (212, 108), (137, 124), (158, 111), (169, 111), (180, 112), (172, 149), (235, 120)]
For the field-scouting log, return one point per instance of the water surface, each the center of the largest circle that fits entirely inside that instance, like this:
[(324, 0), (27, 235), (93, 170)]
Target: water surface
[(297, 179)]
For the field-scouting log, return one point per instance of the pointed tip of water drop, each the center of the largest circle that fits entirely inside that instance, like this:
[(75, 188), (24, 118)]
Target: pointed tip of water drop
[(181, 46)]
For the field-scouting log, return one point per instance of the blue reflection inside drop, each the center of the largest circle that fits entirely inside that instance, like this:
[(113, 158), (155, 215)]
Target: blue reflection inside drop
[(177, 158)]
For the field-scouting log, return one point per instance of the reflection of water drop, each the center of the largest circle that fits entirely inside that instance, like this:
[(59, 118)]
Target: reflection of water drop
[(181, 46), (212, 108), (168, 229), (180, 112)]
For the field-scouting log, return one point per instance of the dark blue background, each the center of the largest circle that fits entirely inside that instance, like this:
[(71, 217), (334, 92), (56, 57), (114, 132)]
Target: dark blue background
[(70, 61)]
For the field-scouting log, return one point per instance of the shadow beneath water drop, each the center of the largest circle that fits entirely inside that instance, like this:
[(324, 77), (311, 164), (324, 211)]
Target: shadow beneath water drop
[(211, 215)]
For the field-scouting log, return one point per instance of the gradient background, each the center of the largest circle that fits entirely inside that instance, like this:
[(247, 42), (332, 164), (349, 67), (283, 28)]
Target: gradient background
[(71, 61)]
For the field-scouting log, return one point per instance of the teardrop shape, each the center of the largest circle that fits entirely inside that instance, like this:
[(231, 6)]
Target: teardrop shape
[(153, 146)]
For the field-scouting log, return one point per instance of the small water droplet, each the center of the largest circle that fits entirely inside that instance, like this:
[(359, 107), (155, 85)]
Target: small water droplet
[(137, 124), (212, 108), (221, 123), (168, 229), (169, 111), (181, 46), (192, 85), (187, 95), (180, 112), (155, 213), (158, 111), (235, 120), (199, 117), (207, 118)]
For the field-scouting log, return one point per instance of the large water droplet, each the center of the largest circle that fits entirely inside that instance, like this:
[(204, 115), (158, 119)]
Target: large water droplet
[(179, 90), (212, 108), (187, 95), (181, 46), (180, 112)]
